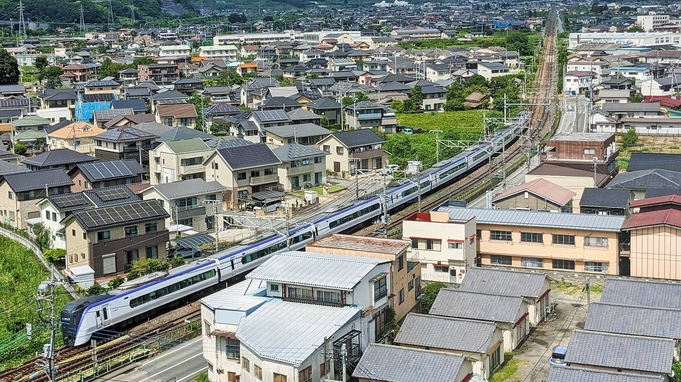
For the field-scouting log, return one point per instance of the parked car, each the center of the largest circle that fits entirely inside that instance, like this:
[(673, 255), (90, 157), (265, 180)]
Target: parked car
[(187, 253), (558, 356), (389, 169)]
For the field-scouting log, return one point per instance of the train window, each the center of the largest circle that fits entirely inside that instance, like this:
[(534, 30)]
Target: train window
[(354, 216), (106, 316), (409, 191), (137, 301), (452, 170), (97, 313), (480, 155), (425, 184)]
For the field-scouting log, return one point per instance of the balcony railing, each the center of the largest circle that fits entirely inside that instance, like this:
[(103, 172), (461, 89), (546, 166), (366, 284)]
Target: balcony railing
[(263, 179), (188, 211), (369, 116), (301, 170), (193, 169)]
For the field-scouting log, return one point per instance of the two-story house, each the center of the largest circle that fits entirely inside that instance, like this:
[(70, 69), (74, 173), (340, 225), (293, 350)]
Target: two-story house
[(58, 99), (65, 159), (194, 203), (158, 73), (124, 143), (87, 176), (243, 170), (174, 51), (356, 149), (188, 86), (103, 87), (176, 115), (263, 119), (301, 166), (315, 313), (76, 136), (307, 134), (110, 239), (21, 191), (179, 160), (490, 70)]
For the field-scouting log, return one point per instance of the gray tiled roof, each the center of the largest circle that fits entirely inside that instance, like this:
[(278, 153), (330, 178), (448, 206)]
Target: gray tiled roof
[(294, 151), (186, 188), (504, 282), (301, 130), (247, 156), (604, 197), (399, 364), (124, 134), (134, 104), (536, 219), (11, 168), (436, 332), (37, 180), (575, 374), (477, 306), (642, 293), (58, 157), (361, 137), (643, 179), (127, 196), (648, 161), (182, 133), (634, 320), (631, 107), (620, 352)]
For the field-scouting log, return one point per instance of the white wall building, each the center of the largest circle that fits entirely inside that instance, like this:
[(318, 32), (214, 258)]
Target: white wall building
[(226, 52), (651, 21), (174, 50), (650, 39), (252, 38)]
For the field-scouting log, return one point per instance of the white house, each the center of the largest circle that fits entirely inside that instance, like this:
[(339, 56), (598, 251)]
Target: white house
[(174, 50)]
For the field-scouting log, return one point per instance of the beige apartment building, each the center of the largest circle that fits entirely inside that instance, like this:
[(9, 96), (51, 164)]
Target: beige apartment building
[(179, 160), (405, 274), (445, 249)]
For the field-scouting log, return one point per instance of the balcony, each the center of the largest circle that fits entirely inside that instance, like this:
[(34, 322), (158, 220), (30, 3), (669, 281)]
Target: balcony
[(193, 169), (300, 170), (369, 116), (188, 212), (263, 179), (367, 154)]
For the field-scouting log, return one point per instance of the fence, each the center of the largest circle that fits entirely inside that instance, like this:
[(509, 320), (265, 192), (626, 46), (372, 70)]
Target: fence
[(39, 254)]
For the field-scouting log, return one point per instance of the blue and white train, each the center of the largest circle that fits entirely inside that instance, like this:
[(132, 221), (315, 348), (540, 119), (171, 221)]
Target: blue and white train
[(97, 317)]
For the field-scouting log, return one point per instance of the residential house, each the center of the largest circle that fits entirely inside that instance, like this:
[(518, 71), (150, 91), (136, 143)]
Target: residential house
[(307, 134), (301, 116), (158, 73), (109, 239), (174, 51), (509, 313), (396, 364), (405, 274), (650, 161), (30, 122), (21, 192), (577, 82), (531, 286), (366, 115), (485, 350), (599, 67), (566, 374), (325, 107), (103, 87), (584, 148), (362, 147), (138, 106), (603, 201), (537, 195), (124, 143), (129, 120), (338, 305), (444, 263), (434, 98), (301, 166), (179, 160), (263, 119), (57, 99), (612, 96), (55, 208), (77, 136), (649, 321), (620, 83), (243, 170), (95, 175), (77, 73), (633, 110), (223, 52), (103, 116), (574, 178), (65, 159), (188, 86), (639, 181), (194, 202), (177, 115), (490, 70)]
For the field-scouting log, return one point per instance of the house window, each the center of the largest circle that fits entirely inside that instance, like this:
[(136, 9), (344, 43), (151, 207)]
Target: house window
[(10, 194), (103, 235), (73, 232), (455, 245), (564, 239), (327, 148), (327, 296), (563, 264), (152, 252), (589, 151), (441, 268), (531, 237), (150, 227), (255, 174), (257, 372), (305, 375), (318, 159), (410, 285), (232, 349), (400, 262), (531, 262), (591, 266), (299, 293), (241, 176), (54, 216), (279, 377), (274, 288), (132, 256), (380, 288), (598, 242), (429, 244), (495, 359), (500, 235), (401, 296), (47, 215), (131, 231), (245, 364), (501, 260), (339, 150)]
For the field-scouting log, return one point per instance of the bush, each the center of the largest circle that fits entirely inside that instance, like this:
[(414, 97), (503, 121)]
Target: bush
[(429, 294), (43, 236), (55, 255), (20, 148), (116, 282), (95, 289)]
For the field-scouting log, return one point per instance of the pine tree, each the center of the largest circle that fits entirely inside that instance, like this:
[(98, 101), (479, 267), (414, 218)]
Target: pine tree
[(9, 68)]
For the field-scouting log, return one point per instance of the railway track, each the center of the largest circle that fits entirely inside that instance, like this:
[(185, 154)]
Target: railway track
[(542, 122), (69, 360)]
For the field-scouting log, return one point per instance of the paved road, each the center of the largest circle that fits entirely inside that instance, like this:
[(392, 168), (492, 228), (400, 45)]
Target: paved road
[(575, 114), (179, 364)]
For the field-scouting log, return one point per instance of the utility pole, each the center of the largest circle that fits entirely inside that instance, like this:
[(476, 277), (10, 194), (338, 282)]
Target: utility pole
[(344, 351), (82, 19), (587, 287), (595, 163), (46, 294)]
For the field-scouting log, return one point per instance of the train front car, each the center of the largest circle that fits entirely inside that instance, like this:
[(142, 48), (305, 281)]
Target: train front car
[(71, 316)]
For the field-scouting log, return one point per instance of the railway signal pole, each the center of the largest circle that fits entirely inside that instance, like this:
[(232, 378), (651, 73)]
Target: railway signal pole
[(46, 295)]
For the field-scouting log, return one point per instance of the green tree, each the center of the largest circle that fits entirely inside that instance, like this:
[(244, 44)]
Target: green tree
[(396, 105), (630, 137), (429, 294), (109, 68), (455, 92), (399, 146), (358, 97), (477, 79), (55, 255), (141, 61), (9, 68), (229, 76), (40, 64), (635, 28), (177, 261), (415, 100), (199, 103), (95, 289), (635, 98), (518, 42), (43, 236), (116, 282), (324, 121), (20, 148)]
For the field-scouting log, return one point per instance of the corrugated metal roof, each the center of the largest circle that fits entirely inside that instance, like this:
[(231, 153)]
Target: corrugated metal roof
[(476, 306), (290, 332), (574, 374), (316, 269), (242, 296), (621, 352), (536, 219), (634, 320), (188, 145), (189, 187), (399, 364), (446, 333), (504, 282)]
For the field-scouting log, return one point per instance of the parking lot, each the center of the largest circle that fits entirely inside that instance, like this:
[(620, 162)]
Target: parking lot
[(532, 358)]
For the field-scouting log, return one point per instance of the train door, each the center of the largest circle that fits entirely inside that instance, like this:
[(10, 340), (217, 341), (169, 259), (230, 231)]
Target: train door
[(98, 318), (106, 314)]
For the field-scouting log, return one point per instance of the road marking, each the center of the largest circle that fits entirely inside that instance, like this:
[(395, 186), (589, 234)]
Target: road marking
[(192, 374), (166, 369), (171, 352)]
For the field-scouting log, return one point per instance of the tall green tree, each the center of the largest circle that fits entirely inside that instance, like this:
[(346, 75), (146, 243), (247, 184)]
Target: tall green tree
[(9, 68), (229, 76), (518, 42), (40, 64), (43, 237), (429, 294), (477, 79), (415, 100), (358, 97), (109, 68)]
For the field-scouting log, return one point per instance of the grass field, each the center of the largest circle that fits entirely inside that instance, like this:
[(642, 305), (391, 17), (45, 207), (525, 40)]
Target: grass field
[(332, 188), (460, 121), (648, 144), (20, 275)]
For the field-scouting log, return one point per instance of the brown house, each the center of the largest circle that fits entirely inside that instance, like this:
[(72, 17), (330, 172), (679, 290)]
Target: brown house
[(110, 239), (536, 195), (581, 147)]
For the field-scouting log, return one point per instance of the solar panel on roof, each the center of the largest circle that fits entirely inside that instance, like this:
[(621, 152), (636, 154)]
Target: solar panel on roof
[(170, 101), (109, 195), (66, 201)]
